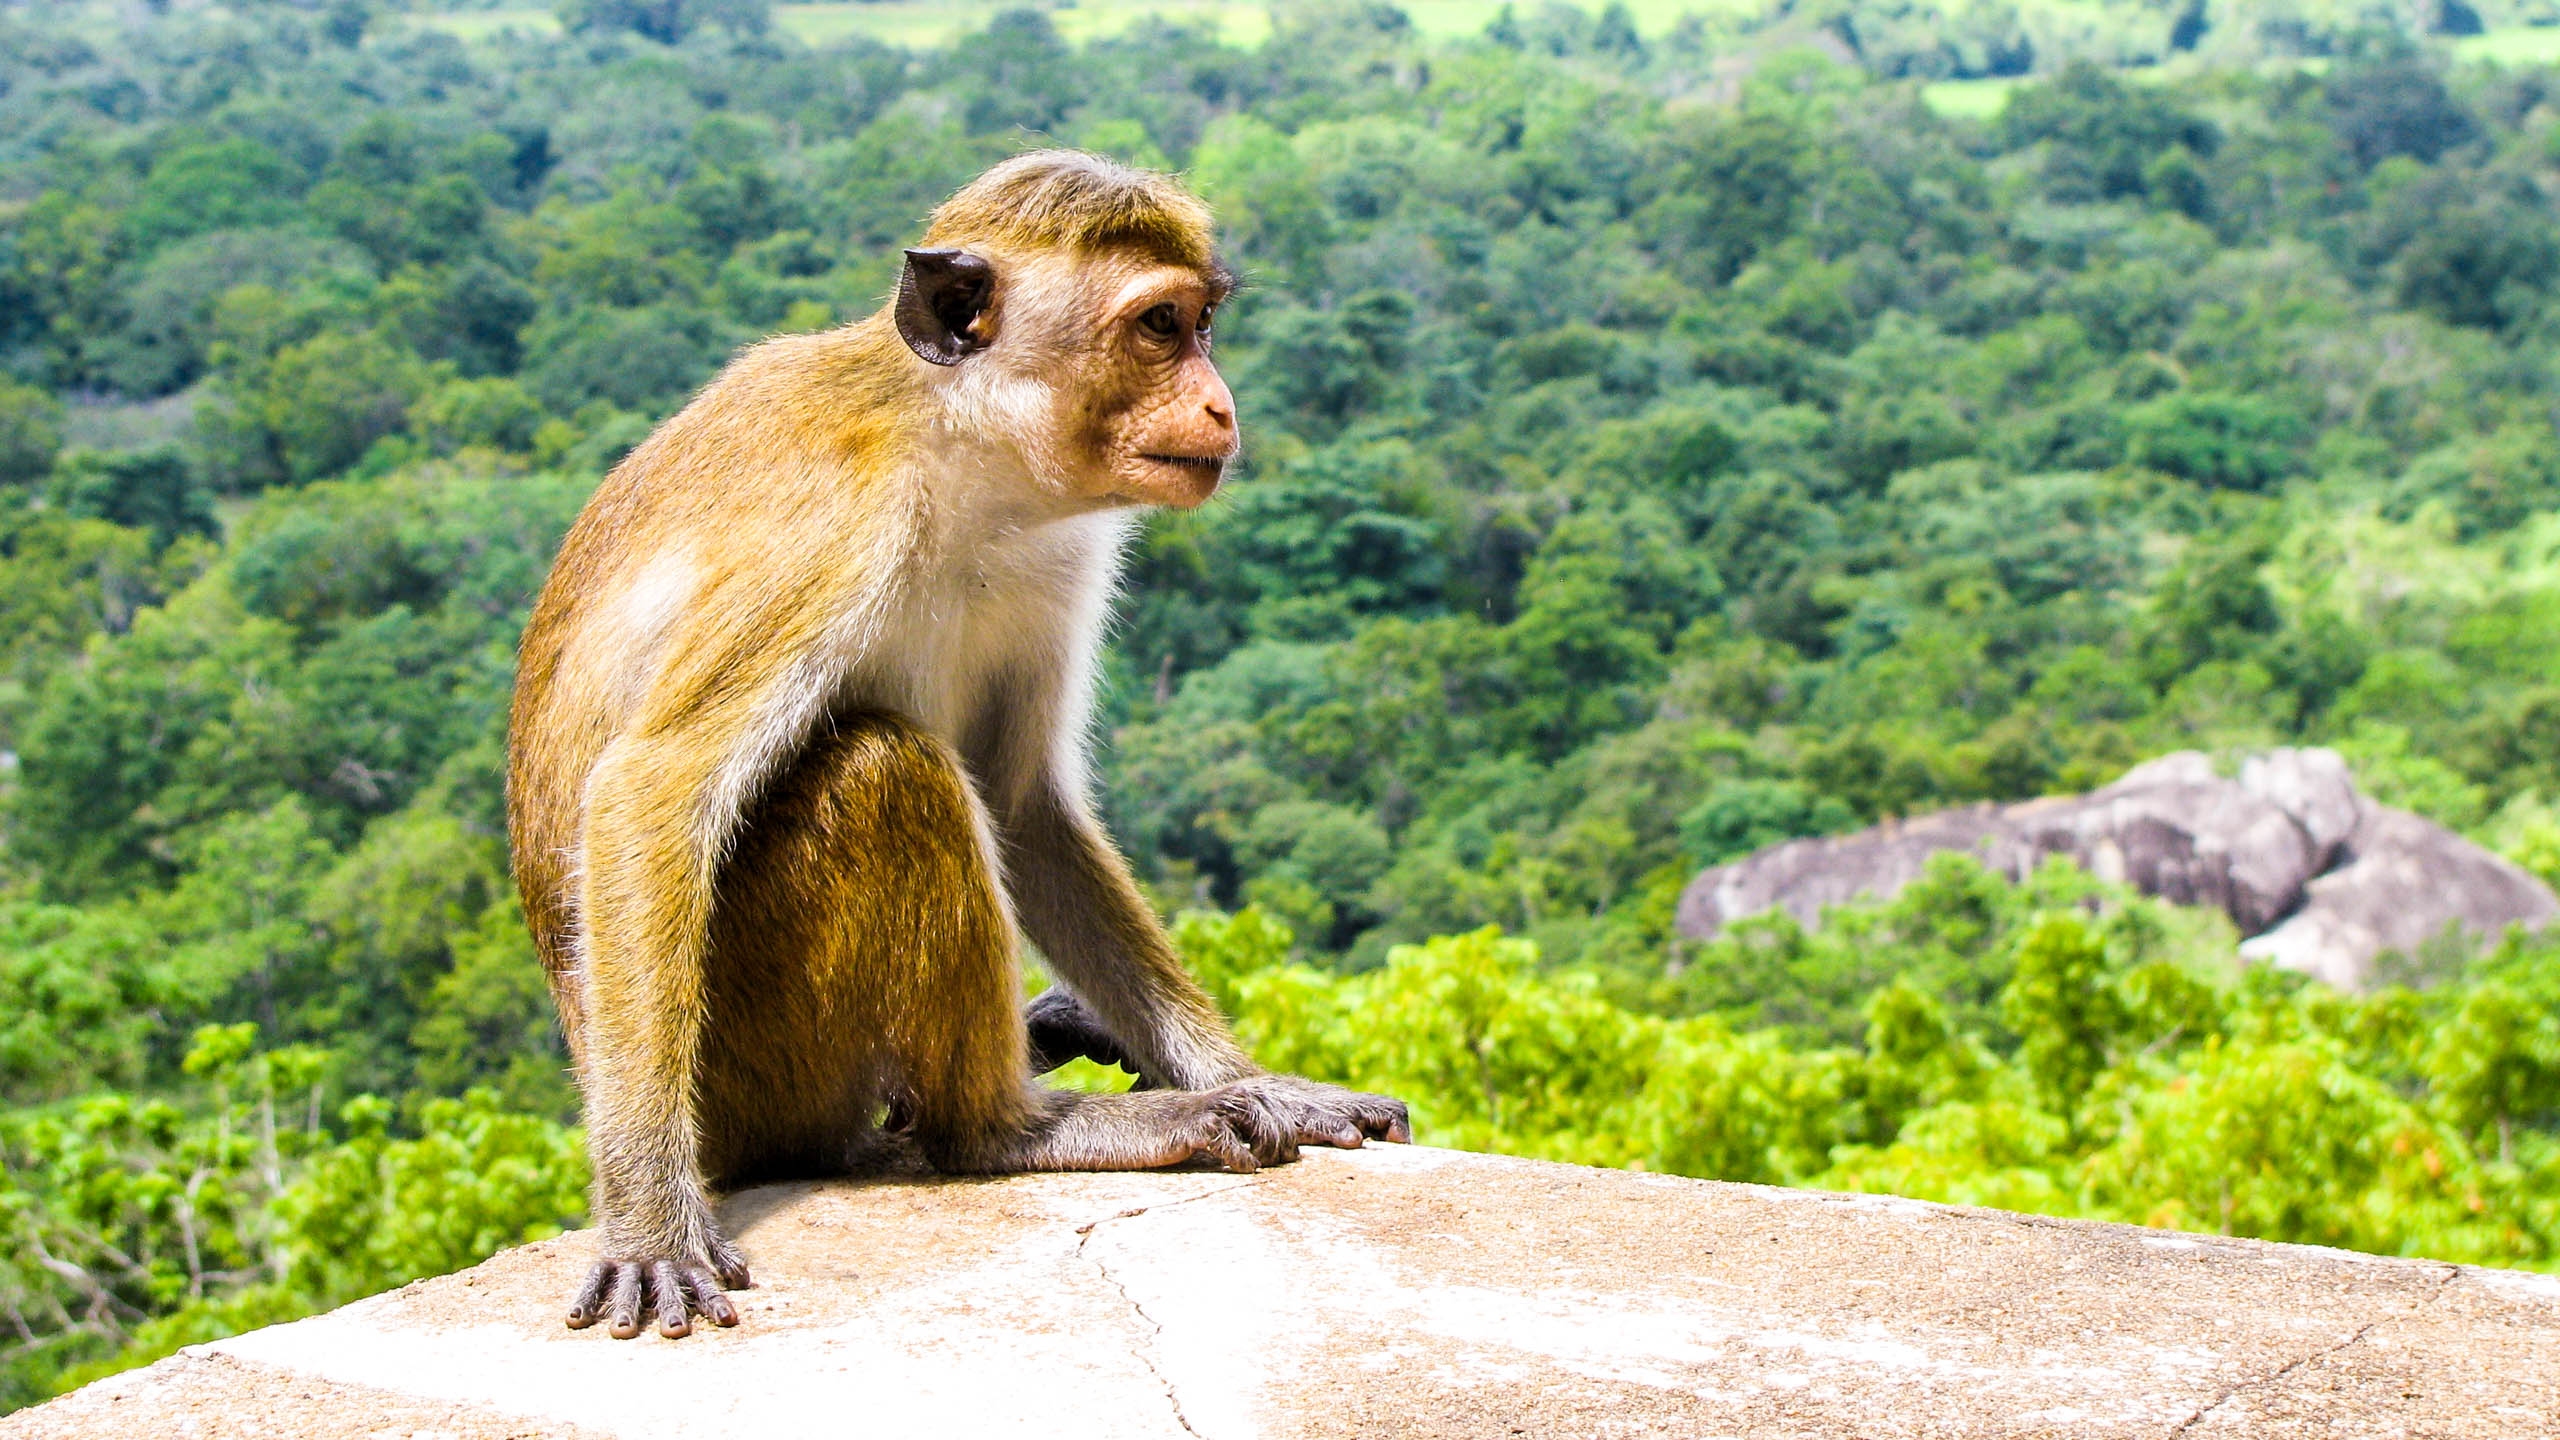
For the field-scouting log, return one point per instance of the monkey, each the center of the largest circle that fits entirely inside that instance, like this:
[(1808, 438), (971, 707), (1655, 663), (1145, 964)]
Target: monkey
[(797, 756)]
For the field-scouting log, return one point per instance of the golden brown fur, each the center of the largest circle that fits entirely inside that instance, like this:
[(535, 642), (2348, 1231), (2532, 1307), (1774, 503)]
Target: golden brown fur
[(798, 734), (857, 959), (1049, 202)]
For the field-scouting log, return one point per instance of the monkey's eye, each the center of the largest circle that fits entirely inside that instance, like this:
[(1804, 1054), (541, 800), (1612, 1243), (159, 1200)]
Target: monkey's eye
[(1161, 321), (1208, 317)]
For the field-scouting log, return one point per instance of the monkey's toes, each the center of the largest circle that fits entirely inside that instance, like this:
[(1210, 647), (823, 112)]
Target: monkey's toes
[(588, 1306), (669, 1292), (1386, 1119), (729, 1266)]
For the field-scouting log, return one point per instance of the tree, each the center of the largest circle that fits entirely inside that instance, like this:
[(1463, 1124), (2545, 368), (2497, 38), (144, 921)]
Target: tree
[(2104, 139), (2391, 101), (151, 490), (2497, 1065), (30, 432), (668, 22), (223, 185), (312, 409), (2058, 1003)]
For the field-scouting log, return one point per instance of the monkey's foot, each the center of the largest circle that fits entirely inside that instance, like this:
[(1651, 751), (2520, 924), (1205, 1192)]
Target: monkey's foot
[(1289, 1112), (673, 1289), (1137, 1130)]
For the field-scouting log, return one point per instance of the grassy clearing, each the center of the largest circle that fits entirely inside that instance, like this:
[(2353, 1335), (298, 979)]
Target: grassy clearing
[(2521, 45), (1970, 99), (923, 24), (935, 22), (477, 25), (928, 23)]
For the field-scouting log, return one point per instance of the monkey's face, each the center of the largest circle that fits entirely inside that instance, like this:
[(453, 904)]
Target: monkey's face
[(1094, 369), (1154, 420)]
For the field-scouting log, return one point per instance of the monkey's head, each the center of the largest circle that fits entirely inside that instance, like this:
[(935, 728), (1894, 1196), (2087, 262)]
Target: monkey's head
[(1069, 300)]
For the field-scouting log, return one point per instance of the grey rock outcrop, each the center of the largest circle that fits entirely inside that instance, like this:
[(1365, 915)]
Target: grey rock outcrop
[(1399, 1291), (2324, 880), (2403, 883)]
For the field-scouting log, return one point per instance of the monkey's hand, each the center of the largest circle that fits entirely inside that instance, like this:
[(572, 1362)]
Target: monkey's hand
[(1289, 1112), (673, 1288), (1062, 1029)]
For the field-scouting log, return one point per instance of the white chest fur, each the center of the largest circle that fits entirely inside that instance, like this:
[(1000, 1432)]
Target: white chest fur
[(1008, 614), (1016, 604)]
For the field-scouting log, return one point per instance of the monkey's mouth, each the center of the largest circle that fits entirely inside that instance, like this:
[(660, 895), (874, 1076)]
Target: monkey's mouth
[(1210, 464)]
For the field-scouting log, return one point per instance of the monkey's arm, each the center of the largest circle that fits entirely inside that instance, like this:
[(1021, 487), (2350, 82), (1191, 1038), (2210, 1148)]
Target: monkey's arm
[(645, 904), (1077, 901)]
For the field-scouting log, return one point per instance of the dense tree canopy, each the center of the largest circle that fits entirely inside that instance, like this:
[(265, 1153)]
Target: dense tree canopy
[(1660, 446)]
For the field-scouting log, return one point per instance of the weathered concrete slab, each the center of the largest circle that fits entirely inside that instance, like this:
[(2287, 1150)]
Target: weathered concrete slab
[(1403, 1292)]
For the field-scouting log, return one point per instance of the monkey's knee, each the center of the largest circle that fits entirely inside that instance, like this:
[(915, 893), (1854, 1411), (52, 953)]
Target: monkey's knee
[(894, 848), (874, 808)]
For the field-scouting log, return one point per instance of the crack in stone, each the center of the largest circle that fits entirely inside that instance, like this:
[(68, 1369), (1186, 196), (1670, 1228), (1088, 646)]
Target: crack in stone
[(1154, 1327), (2232, 1391), (2444, 1283), (1134, 1212)]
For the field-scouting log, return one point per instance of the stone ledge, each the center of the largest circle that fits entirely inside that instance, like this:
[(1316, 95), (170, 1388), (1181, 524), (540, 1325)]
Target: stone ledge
[(1406, 1292)]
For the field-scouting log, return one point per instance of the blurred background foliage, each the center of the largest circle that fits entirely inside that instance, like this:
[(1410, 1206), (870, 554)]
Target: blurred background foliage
[(1671, 433)]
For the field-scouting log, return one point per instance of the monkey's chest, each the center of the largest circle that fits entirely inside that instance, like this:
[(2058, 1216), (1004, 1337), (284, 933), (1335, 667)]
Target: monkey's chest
[(947, 655)]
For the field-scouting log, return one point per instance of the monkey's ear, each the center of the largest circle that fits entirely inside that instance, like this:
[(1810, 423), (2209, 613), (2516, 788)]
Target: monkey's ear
[(941, 295)]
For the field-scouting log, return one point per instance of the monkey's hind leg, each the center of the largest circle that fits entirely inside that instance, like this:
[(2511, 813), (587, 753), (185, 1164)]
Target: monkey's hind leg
[(901, 966), (841, 891)]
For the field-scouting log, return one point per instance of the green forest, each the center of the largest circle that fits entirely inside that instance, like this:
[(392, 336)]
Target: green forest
[(1665, 438)]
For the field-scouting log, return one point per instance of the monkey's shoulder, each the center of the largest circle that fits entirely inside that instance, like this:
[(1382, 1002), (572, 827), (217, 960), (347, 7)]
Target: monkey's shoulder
[(794, 421)]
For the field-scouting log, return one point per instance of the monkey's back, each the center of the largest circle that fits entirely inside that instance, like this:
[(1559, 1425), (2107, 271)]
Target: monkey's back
[(739, 499)]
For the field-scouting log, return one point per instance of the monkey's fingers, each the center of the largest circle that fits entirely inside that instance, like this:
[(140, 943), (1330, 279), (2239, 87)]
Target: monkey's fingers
[(1314, 1113), (624, 1308), (702, 1288), (729, 1266), (589, 1304), (1266, 1122), (1061, 1029), (1223, 1139), (1374, 1117), (675, 1310), (1232, 1154)]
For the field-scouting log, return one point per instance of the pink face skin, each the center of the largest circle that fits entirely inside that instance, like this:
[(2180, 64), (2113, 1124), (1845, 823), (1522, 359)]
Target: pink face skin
[(1160, 417)]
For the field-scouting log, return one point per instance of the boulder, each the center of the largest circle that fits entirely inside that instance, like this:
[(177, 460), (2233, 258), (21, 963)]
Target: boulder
[(2314, 787), (2324, 879), (1399, 1291), (2197, 843), (2403, 883), (1804, 876)]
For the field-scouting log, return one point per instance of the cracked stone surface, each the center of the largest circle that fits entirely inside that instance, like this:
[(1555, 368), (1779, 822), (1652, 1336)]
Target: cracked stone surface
[(1401, 1291)]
